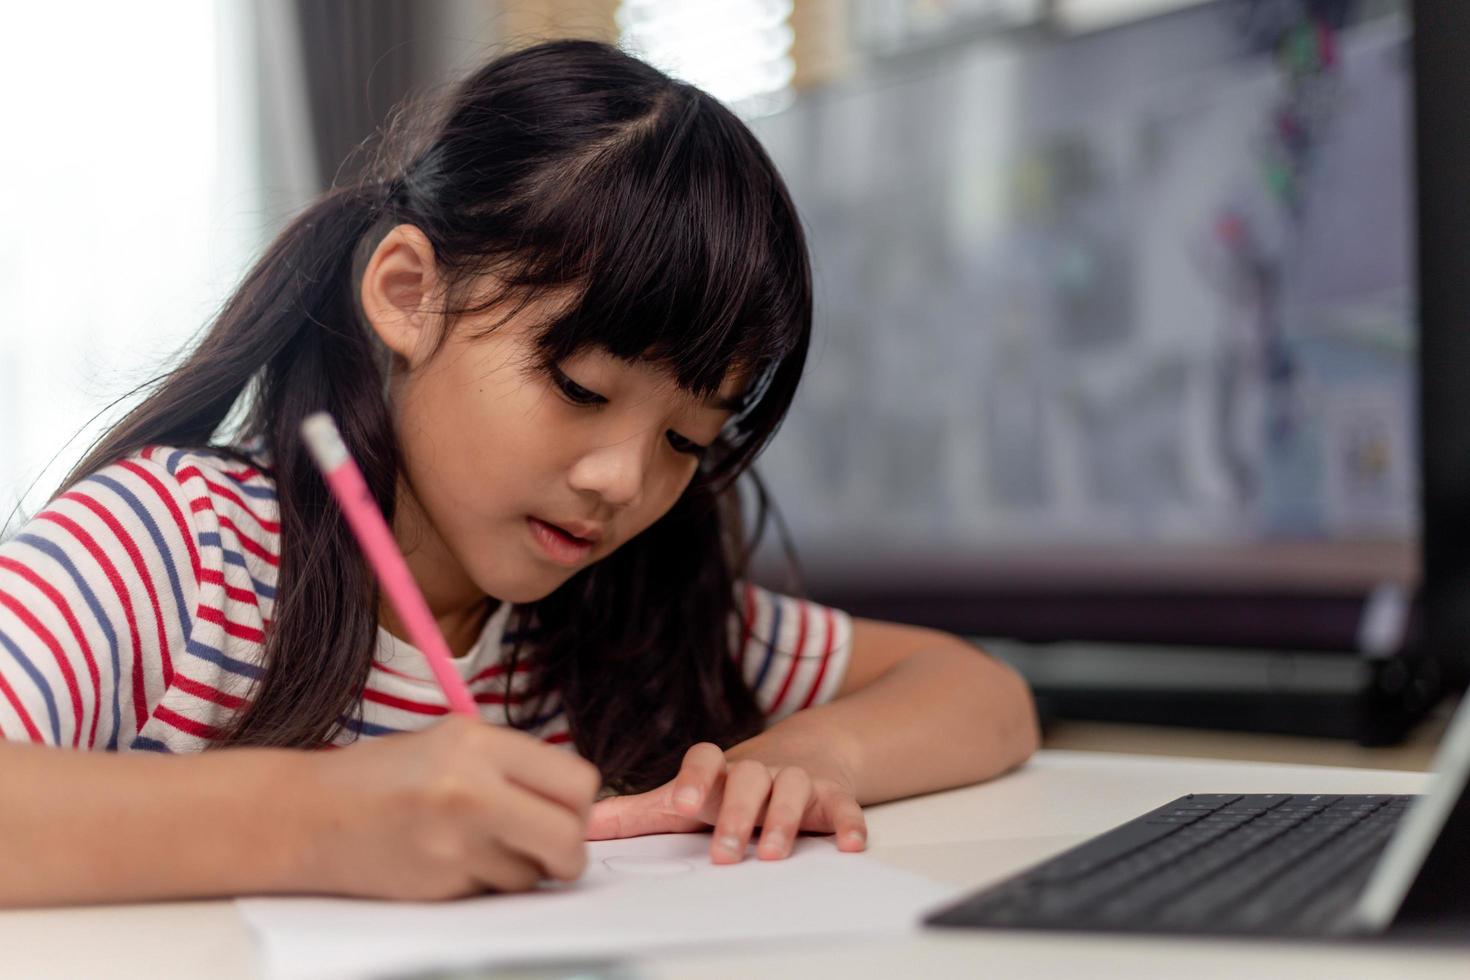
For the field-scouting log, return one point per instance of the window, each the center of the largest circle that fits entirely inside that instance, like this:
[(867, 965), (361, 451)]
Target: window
[(131, 209), (739, 51)]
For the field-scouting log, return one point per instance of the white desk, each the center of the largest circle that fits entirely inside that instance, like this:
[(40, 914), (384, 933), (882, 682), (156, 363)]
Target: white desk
[(969, 836)]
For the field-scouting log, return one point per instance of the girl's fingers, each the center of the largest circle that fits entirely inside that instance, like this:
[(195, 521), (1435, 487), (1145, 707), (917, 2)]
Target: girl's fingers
[(533, 827), (503, 870), (849, 822), (695, 785), (747, 788), (790, 793), (668, 809), (634, 816)]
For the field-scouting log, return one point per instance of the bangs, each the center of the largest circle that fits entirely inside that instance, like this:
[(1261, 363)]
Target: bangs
[(679, 246)]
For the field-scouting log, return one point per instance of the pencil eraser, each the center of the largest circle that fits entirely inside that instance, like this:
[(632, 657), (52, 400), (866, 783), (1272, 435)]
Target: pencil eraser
[(324, 441)]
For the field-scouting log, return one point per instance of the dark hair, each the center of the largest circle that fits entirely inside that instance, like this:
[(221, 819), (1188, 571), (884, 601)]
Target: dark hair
[(567, 166)]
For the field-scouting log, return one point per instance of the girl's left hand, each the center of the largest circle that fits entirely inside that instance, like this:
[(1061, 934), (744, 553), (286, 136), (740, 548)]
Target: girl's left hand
[(734, 795)]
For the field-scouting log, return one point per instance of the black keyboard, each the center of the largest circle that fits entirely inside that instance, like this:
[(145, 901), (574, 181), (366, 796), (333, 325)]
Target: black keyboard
[(1262, 863)]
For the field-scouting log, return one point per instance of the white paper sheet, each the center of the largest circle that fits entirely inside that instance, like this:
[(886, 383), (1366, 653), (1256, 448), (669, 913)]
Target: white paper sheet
[(638, 896)]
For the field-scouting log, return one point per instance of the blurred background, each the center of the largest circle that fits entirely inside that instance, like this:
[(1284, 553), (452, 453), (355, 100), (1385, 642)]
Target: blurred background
[(1117, 349)]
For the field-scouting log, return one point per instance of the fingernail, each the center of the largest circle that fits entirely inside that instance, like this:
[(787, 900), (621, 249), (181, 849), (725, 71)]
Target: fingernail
[(729, 845), (687, 797), (773, 842), (854, 839)]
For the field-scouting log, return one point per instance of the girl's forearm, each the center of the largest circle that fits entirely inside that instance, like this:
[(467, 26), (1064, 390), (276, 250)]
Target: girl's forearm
[(946, 716), (78, 827)]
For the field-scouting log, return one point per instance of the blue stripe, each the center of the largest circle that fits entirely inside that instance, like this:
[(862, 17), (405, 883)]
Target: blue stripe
[(369, 728), (185, 619), (147, 744), (545, 719), (206, 652), (259, 493), (260, 588), (40, 682), (362, 727), (770, 644), (373, 728), (210, 539), (56, 554)]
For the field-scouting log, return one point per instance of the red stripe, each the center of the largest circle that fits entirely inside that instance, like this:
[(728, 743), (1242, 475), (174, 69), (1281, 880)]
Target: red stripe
[(186, 725), (243, 596), (59, 655), (795, 657), (211, 615), (558, 739), (140, 701), (59, 601), (185, 531), (204, 691), (826, 658), (254, 547), (390, 670), (418, 707), (191, 470), (267, 525), (244, 476), (141, 567), (20, 710), (498, 670)]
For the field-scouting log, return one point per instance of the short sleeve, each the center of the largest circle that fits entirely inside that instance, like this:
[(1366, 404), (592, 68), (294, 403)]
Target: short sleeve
[(96, 593), (792, 652)]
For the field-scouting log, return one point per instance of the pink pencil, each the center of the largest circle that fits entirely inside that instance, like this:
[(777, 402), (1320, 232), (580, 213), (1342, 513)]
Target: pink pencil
[(366, 520)]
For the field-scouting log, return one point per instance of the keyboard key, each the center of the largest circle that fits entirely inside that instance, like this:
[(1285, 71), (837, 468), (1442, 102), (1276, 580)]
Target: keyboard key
[(1317, 800), (1213, 799)]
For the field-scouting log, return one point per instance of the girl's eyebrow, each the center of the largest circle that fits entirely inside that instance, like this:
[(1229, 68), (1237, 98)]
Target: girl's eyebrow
[(730, 404)]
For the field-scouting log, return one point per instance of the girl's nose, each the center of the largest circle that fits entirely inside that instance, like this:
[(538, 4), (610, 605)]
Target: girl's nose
[(615, 471)]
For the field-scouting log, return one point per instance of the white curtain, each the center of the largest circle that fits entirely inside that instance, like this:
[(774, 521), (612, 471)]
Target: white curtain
[(137, 189)]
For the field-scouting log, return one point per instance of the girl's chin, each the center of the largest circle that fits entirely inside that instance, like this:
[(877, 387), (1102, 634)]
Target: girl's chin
[(538, 583)]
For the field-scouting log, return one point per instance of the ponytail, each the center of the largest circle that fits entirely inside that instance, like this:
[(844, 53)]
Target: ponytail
[(291, 330)]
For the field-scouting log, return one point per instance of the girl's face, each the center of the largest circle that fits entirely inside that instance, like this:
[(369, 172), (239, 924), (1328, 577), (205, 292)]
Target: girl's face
[(518, 476)]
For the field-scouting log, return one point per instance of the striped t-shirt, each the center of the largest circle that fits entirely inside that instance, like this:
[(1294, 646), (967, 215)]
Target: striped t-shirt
[(133, 612)]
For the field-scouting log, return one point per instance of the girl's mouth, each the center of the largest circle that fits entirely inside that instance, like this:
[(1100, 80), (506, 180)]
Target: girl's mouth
[(558, 545)]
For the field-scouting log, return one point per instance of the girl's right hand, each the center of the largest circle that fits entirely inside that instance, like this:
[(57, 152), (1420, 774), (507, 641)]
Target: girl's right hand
[(459, 808)]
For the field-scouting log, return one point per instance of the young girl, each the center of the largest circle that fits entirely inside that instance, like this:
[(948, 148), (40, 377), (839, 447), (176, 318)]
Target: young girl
[(553, 335)]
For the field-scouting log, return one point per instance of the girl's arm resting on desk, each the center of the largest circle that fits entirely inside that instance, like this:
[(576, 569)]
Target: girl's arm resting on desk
[(81, 827), (441, 813), (919, 710)]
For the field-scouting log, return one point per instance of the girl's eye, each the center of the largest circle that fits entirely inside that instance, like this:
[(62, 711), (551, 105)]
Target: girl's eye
[(683, 445), (576, 393)]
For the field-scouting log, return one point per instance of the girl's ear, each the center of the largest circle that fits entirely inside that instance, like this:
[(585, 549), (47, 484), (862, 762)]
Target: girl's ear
[(398, 283)]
